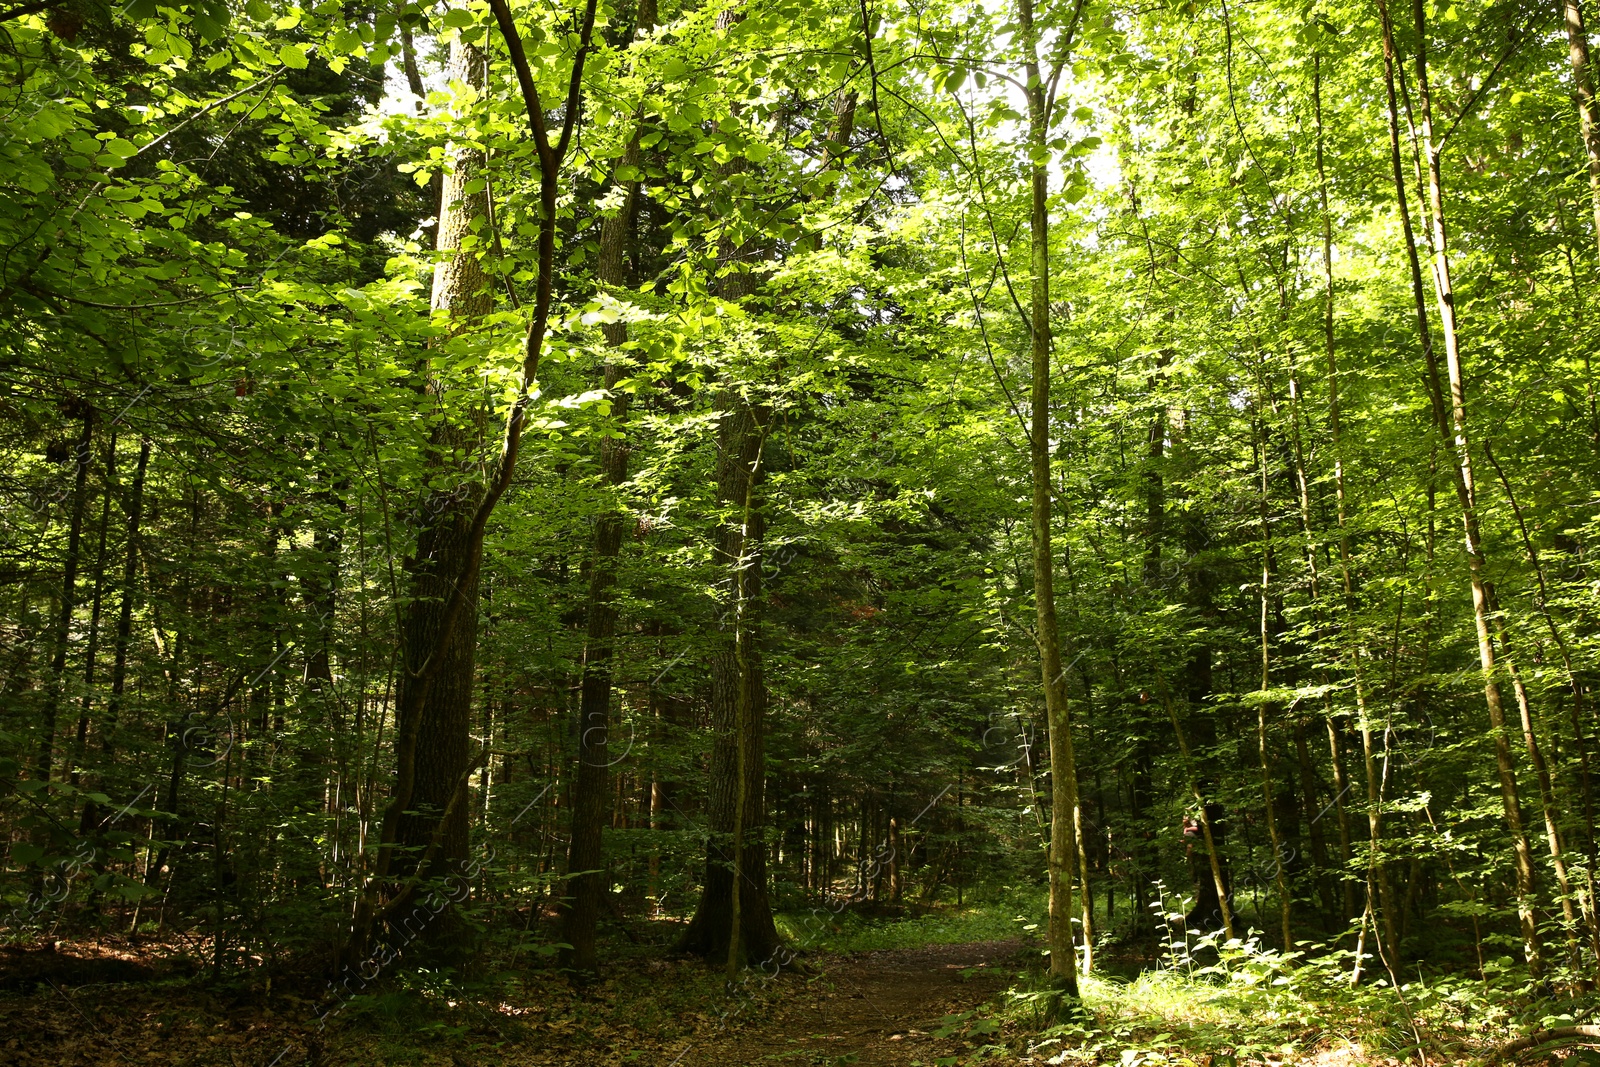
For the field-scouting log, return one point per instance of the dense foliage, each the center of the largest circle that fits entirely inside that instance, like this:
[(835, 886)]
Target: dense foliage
[(669, 539)]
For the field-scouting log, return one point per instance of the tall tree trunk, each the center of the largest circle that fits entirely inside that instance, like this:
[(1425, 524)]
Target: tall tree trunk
[(434, 699), (68, 602), (1278, 853), (1349, 641), (734, 894), (1064, 815), (91, 652), (586, 881), (733, 920), (130, 578), (1583, 93), (1575, 687), (1482, 595), (444, 651)]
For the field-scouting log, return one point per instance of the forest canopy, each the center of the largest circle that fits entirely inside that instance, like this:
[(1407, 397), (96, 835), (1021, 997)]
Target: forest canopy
[(497, 494)]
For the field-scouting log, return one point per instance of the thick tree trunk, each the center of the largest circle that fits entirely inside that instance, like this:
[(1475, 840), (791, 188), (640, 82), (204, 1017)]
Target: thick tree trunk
[(735, 885), (453, 539), (435, 699), (733, 919)]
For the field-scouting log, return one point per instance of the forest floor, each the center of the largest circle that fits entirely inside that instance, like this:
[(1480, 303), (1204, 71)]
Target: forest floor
[(873, 997), (893, 1008), (74, 1003)]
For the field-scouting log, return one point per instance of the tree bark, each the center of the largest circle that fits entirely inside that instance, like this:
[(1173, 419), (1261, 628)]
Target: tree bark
[(130, 578), (435, 698), (1063, 761), (1482, 595), (1284, 903), (734, 894), (1583, 94), (459, 589), (68, 601), (586, 881), (91, 650)]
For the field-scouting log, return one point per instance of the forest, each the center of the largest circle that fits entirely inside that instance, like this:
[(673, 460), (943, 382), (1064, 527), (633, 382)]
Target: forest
[(694, 532)]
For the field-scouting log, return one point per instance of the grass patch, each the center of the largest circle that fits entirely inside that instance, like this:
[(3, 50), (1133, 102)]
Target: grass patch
[(1014, 914)]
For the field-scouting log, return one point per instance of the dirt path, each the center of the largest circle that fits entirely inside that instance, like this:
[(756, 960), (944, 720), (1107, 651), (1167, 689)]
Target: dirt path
[(879, 1009)]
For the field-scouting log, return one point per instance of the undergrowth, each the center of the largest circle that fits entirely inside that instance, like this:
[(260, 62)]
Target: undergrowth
[(1227, 1003), (825, 929)]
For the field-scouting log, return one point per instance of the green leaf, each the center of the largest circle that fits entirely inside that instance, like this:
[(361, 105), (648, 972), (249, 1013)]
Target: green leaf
[(24, 854), (293, 57)]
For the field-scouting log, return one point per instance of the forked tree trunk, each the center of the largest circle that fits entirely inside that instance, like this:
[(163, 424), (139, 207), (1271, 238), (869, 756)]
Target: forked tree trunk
[(425, 826), (460, 541)]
